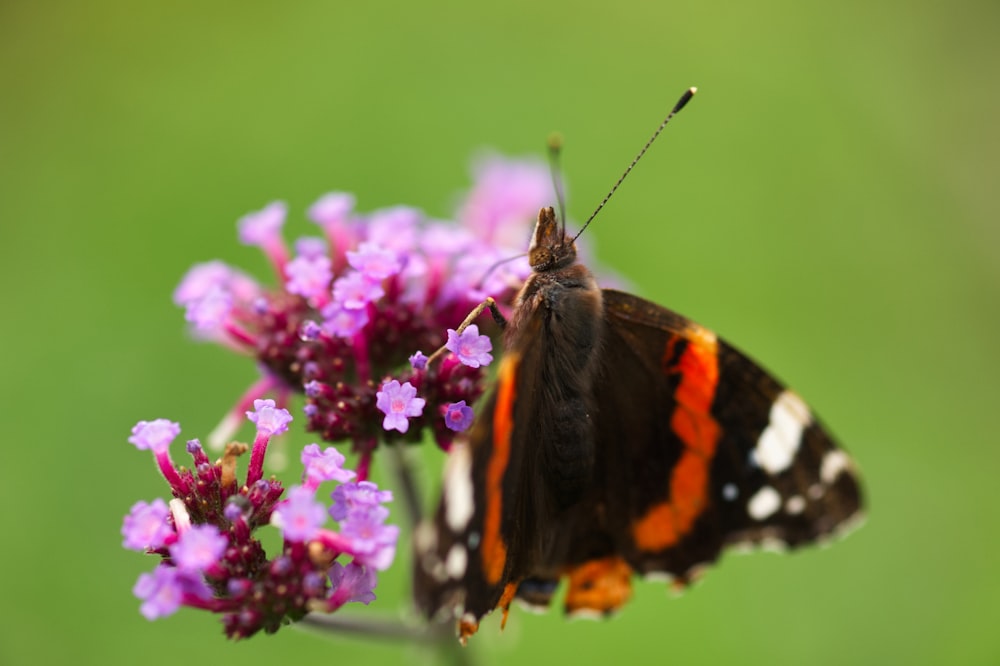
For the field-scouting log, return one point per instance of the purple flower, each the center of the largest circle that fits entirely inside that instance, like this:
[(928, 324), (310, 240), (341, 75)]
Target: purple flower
[(374, 261), (418, 361), (331, 208), (210, 312), (270, 420), (198, 548), (349, 497), (324, 465), (506, 197), (146, 527), (398, 402), (200, 280), (373, 541), (343, 322), (300, 515), (161, 592), (394, 228), (354, 291), (471, 348), (458, 416), (309, 277), (233, 512), (353, 582), (155, 435), (310, 331), (263, 227), (310, 247)]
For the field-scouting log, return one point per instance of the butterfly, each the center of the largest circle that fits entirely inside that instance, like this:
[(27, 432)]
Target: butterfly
[(621, 439)]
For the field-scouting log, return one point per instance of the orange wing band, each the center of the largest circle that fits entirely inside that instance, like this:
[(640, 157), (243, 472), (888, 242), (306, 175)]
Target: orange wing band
[(694, 425), (494, 550)]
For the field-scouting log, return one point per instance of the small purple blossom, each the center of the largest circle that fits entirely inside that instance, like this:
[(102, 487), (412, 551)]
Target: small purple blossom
[(374, 261), (309, 277), (165, 590), (263, 226), (300, 515), (200, 280), (418, 361), (332, 208), (210, 312), (161, 592), (198, 548), (352, 582), (343, 322), (349, 497), (326, 465), (310, 331), (458, 416), (395, 228), (270, 420), (354, 291), (471, 348), (233, 512), (313, 389), (310, 247), (155, 435), (506, 192), (398, 403), (373, 541), (146, 527)]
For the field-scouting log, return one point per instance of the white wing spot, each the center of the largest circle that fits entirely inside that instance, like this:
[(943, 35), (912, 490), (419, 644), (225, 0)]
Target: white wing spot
[(425, 537), (764, 503), (456, 561), (834, 462), (780, 440), (458, 499), (796, 504), (730, 492)]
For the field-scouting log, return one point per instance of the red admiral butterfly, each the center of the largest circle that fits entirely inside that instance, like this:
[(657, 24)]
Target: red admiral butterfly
[(621, 438)]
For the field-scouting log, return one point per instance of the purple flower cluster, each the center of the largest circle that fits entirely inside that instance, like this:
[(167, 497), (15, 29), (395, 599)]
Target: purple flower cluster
[(347, 325), (205, 535), (355, 304)]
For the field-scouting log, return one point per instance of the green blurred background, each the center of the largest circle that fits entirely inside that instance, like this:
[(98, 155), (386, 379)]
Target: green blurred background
[(827, 202)]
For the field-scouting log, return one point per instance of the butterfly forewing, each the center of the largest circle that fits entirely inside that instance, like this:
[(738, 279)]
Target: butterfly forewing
[(714, 450)]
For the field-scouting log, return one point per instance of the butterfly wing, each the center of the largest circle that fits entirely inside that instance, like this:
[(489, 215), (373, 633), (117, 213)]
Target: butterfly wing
[(701, 448)]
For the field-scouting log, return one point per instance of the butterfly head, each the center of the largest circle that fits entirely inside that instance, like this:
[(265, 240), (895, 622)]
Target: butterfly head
[(550, 249)]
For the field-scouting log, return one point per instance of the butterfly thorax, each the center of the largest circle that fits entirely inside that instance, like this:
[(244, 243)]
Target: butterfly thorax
[(555, 336)]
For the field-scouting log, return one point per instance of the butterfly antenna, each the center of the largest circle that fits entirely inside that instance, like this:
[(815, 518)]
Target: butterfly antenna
[(555, 148), (496, 265), (685, 98)]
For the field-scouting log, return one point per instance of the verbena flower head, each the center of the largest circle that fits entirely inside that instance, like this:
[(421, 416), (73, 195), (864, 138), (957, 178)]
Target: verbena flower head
[(350, 309), (210, 556)]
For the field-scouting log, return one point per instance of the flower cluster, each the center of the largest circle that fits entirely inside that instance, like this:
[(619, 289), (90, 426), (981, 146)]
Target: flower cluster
[(353, 306), (346, 326), (205, 536)]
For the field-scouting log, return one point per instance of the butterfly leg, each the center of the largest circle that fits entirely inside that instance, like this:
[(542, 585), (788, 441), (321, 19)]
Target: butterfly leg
[(494, 309), (498, 317)]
